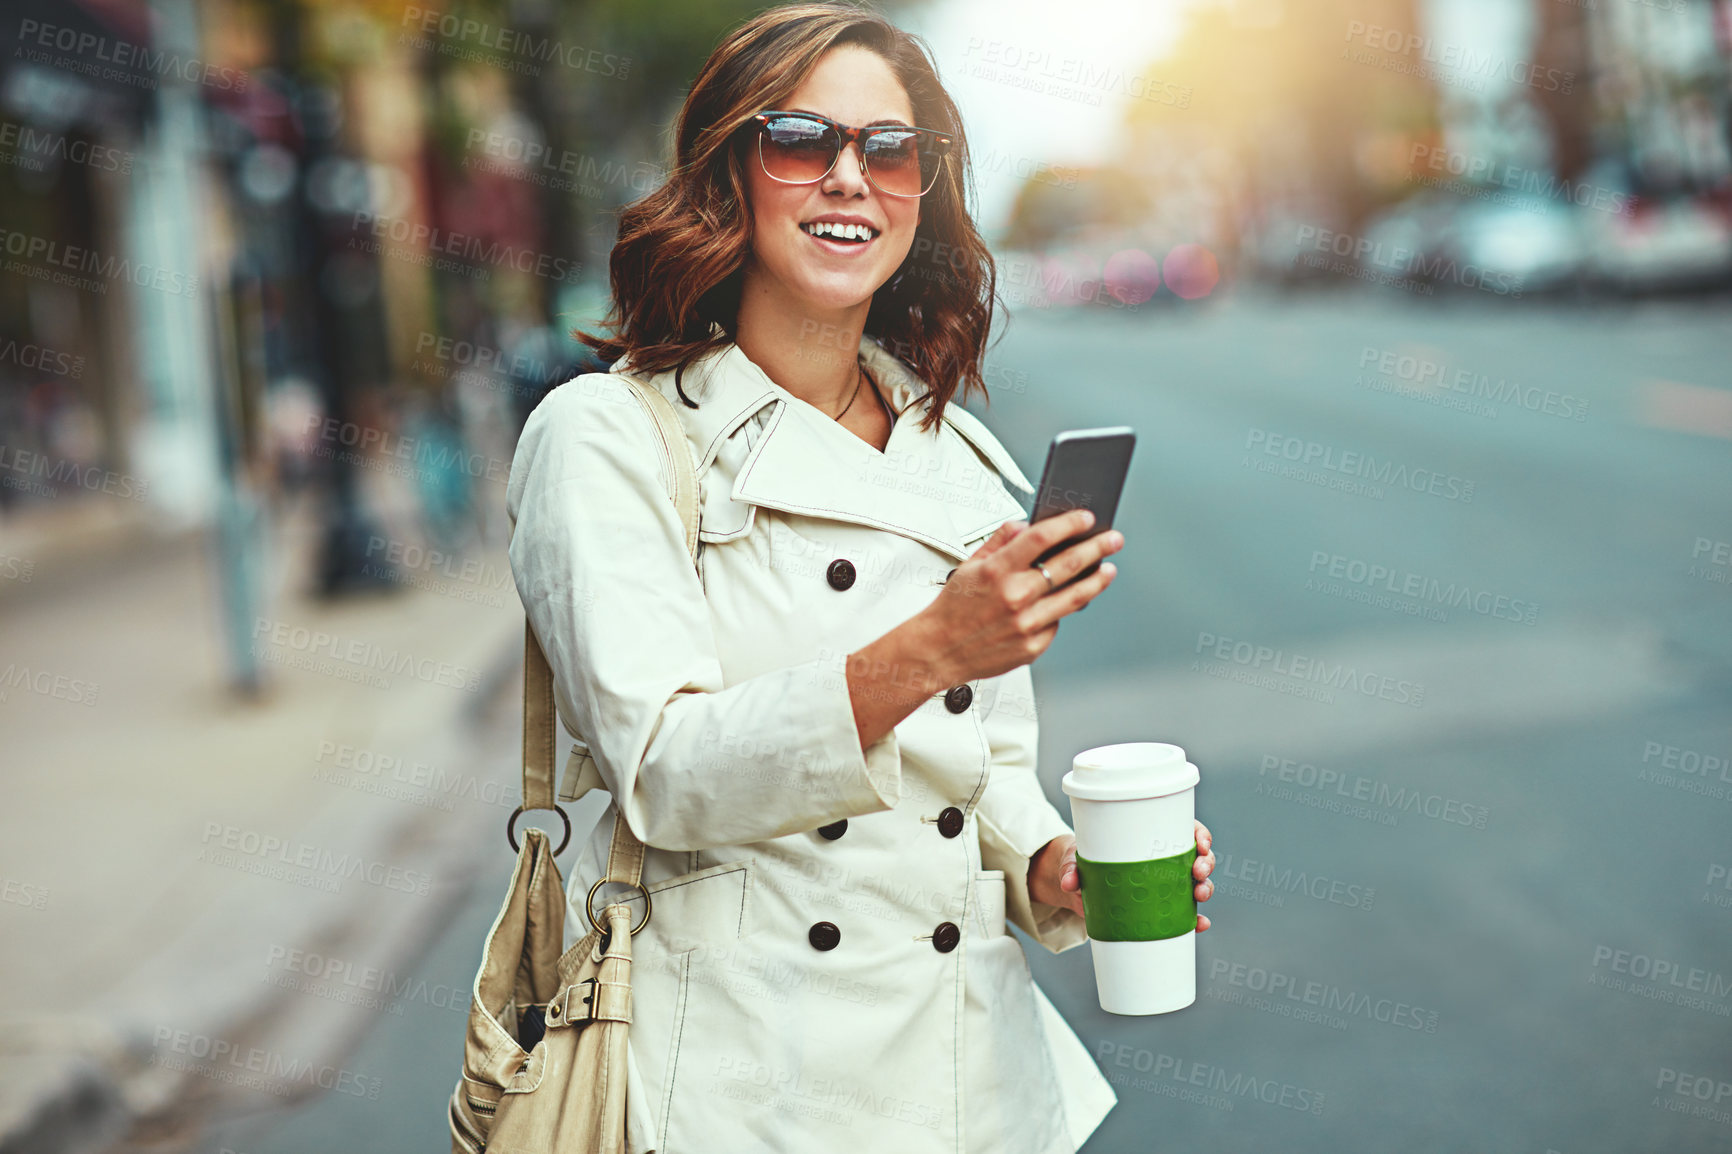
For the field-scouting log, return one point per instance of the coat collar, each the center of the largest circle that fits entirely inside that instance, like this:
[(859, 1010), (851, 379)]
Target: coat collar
[(940, 487)]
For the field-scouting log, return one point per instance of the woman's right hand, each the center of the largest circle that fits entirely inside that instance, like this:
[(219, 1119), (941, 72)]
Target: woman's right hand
[(995, 612)]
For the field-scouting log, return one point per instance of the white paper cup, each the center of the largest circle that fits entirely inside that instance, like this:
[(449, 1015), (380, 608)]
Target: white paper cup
[(1133, 806)]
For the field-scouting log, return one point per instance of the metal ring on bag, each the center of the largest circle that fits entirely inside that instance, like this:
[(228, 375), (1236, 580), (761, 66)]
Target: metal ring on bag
[(511, 829), (589, 907)]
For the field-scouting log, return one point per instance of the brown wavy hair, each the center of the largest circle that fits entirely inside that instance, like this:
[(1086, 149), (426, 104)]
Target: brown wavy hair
[(678, 263)]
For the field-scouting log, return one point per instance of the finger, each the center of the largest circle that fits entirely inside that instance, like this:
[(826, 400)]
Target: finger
[(1203, 867), (1080, 556), (1069, 880), (1204, 891), (1005, 533), (1203, 923), (1204, 837), (1043, 535), (1049, 609), (1066, 565), (1042, 638), (992, 544), (1083, 554)]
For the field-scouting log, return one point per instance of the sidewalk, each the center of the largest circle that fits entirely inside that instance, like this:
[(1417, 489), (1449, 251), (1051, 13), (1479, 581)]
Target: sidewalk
[(204, 897)]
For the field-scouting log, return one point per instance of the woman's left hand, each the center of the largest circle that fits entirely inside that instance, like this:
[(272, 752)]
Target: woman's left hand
[(1052, 876), (1202, 868)]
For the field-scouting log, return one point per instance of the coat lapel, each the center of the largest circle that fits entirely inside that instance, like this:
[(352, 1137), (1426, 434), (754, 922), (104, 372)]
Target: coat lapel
[(941, 487)]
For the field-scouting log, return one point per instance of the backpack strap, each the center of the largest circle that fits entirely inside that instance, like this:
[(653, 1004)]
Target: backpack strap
[(625, 859)]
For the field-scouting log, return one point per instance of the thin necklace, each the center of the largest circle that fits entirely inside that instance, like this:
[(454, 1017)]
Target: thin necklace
[(888, 411), (850, 403)]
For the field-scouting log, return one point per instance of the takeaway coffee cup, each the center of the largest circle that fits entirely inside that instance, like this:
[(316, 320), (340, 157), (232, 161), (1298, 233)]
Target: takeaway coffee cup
[(1132, 806)]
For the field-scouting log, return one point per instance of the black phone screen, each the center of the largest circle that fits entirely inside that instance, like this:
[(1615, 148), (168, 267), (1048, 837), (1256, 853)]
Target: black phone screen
[(1085, 469)]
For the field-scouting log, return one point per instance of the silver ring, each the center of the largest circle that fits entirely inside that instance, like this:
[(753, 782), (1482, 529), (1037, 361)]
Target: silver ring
[(1048, 576)]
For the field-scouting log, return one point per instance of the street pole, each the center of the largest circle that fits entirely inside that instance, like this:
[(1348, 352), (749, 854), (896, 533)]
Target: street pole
[(337, 334)]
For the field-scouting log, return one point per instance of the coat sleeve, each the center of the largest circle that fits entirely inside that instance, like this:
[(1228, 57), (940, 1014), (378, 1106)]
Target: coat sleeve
[(599, 557), (1016, 819)]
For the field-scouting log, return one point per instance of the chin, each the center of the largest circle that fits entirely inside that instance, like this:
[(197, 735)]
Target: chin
[(828, 293)]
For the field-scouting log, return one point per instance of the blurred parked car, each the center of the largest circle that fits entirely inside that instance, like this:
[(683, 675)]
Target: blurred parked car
[(1662, 246), (1506, 244)]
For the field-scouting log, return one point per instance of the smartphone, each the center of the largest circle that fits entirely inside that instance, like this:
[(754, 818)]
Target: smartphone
[(1085, 469)]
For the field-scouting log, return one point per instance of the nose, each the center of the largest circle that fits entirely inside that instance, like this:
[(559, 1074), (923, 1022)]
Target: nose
[(848, 174)]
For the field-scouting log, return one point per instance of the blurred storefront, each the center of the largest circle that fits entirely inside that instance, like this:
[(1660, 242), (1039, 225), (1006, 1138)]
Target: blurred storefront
[(298, 266)]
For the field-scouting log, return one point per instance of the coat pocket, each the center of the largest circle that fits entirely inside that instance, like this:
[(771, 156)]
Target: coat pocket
[(706, 907), (989, 899), (692, 916)]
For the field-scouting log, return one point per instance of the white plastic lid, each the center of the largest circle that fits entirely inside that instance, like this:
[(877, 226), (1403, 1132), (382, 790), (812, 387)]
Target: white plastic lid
[(1134, 769)]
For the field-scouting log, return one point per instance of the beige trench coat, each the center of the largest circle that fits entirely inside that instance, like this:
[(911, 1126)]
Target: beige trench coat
[(719, 718)]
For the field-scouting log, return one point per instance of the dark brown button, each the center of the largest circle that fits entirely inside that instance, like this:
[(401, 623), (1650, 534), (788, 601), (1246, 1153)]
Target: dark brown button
[(945, 937), (835, 829), (840, 574), (824, 936), (959, 698), (950, 821)]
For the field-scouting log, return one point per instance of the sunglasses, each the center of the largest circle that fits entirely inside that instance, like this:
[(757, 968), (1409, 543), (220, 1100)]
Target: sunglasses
[(802, 147)]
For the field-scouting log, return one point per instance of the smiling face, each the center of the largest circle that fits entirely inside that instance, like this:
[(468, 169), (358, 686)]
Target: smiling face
[(815, 275)]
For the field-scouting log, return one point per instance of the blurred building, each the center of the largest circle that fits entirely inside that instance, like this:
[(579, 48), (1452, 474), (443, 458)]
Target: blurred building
[(1535, 146)]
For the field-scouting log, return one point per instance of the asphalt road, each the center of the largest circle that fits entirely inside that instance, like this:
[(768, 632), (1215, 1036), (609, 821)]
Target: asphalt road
[(1456, 666)]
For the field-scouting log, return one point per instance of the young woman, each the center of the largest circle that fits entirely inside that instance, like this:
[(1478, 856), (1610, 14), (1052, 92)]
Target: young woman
[(825, 732)]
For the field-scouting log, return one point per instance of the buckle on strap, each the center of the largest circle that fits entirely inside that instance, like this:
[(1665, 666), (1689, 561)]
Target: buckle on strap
[(591, 1000), (589, 997), (576, 1003)]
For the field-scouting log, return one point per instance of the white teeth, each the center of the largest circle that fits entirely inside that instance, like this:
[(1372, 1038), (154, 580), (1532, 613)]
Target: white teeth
[(841, 231)]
